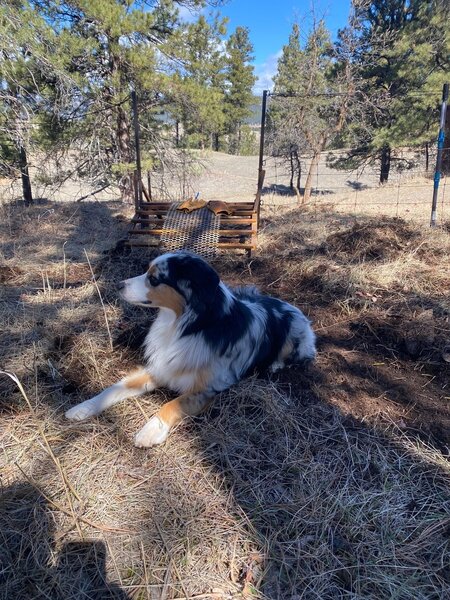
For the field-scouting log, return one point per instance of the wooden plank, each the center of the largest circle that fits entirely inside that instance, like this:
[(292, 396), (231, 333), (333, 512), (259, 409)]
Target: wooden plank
[(154, 243), (167, 205), (153, 207), (157, 211), (224, 221), (148, 216), (149, 231), (236, 232), (155, 204), (237, 210), (238, 236), (241, 205), (238, 221), (236, 245), (236, 213)]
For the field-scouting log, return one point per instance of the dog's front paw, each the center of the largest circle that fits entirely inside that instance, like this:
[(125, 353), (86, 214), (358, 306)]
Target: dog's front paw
[(154, 432), (81, 411)]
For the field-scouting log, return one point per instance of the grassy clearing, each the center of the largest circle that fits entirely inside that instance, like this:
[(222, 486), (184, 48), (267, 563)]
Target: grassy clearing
[(332, 483)]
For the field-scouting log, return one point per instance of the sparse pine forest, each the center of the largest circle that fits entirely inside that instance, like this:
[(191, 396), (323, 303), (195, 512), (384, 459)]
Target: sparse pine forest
[(67, 69)]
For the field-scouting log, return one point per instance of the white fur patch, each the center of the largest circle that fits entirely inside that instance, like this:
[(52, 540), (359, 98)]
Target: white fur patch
[(136, 289), (153, 433), (81, 411)]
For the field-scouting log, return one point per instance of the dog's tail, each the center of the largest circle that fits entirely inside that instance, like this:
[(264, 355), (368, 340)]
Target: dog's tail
[(304, 339)]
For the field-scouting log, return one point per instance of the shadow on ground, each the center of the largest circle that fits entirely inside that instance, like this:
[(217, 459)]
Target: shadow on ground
[(32, 562), (285, 190), (326, 471)]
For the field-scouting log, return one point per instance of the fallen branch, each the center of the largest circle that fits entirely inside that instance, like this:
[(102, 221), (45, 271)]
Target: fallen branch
[(93, 193)]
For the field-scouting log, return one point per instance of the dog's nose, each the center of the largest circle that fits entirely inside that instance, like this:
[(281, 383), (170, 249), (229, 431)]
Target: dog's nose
[(120, 285)]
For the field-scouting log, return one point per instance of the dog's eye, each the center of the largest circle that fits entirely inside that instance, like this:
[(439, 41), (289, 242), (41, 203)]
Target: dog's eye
[(153, 280)]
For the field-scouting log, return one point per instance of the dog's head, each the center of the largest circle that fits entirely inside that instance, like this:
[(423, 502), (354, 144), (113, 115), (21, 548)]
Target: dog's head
[(173, 281)]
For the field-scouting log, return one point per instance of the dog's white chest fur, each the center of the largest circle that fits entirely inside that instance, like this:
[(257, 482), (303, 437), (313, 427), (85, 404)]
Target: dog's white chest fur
[(173, 360)]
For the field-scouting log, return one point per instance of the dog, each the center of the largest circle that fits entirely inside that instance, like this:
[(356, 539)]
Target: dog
[(206, 337)]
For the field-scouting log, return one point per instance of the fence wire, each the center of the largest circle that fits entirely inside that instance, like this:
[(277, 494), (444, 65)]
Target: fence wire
[(407, 193)]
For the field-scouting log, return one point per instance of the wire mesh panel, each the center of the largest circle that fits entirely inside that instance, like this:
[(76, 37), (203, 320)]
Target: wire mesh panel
[(197, 231), (396, 181)]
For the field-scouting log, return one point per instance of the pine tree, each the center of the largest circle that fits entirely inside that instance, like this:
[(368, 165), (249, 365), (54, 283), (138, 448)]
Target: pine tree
[(307, 77), (240, 81), (99, 50), (401, 56), (24, 39), (421, 54), (198, 101)]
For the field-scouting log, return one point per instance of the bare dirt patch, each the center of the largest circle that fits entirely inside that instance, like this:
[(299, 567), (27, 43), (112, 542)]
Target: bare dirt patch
[(326, 483)]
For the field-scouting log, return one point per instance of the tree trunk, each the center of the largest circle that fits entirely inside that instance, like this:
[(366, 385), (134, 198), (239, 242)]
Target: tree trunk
[(122, 130), (291, 160), (177, 134), (26, 184), (299, 168), (149, 184), (427, 157), (308, 183), (385, 163), (126, 184)]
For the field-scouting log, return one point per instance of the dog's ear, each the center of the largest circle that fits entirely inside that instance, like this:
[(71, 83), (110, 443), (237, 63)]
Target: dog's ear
[(202, 281)]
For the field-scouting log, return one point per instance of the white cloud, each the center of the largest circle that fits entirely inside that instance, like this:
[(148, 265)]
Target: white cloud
[(189, 15), (265, 73)]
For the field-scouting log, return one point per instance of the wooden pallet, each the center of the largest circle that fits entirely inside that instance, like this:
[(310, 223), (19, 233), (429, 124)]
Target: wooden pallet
[(239, 230)]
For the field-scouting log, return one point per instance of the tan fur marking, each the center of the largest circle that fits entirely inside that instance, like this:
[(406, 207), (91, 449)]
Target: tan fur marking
[(171, 412), (137, 381), (186, 405), (165, 296)]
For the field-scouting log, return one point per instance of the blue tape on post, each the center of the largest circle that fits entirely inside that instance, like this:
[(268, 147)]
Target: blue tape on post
[(441, 138), (437, 178)]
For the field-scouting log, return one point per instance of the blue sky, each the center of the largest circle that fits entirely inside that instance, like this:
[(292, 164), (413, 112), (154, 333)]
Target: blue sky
[(270, 23)]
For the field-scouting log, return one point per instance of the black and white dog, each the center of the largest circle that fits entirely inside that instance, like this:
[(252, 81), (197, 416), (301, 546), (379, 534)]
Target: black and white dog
[(205, 338)]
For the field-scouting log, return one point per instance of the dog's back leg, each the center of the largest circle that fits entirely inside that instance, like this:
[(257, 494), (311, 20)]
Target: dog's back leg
[(170, 414), (134, 385)]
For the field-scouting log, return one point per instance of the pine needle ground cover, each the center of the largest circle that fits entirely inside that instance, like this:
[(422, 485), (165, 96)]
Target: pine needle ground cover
[(327, 483)]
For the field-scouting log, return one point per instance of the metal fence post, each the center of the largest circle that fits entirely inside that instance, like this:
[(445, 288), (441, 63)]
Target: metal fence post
[(441, 138), (262, 133)]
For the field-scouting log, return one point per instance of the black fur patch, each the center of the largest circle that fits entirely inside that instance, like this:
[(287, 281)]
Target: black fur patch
[(222, 330), (279, 319), (202, 280)]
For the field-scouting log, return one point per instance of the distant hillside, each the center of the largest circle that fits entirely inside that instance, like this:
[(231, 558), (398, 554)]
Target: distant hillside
[(255, 117)]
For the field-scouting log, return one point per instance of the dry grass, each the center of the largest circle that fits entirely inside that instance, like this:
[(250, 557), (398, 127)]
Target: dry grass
[(313, 485)]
